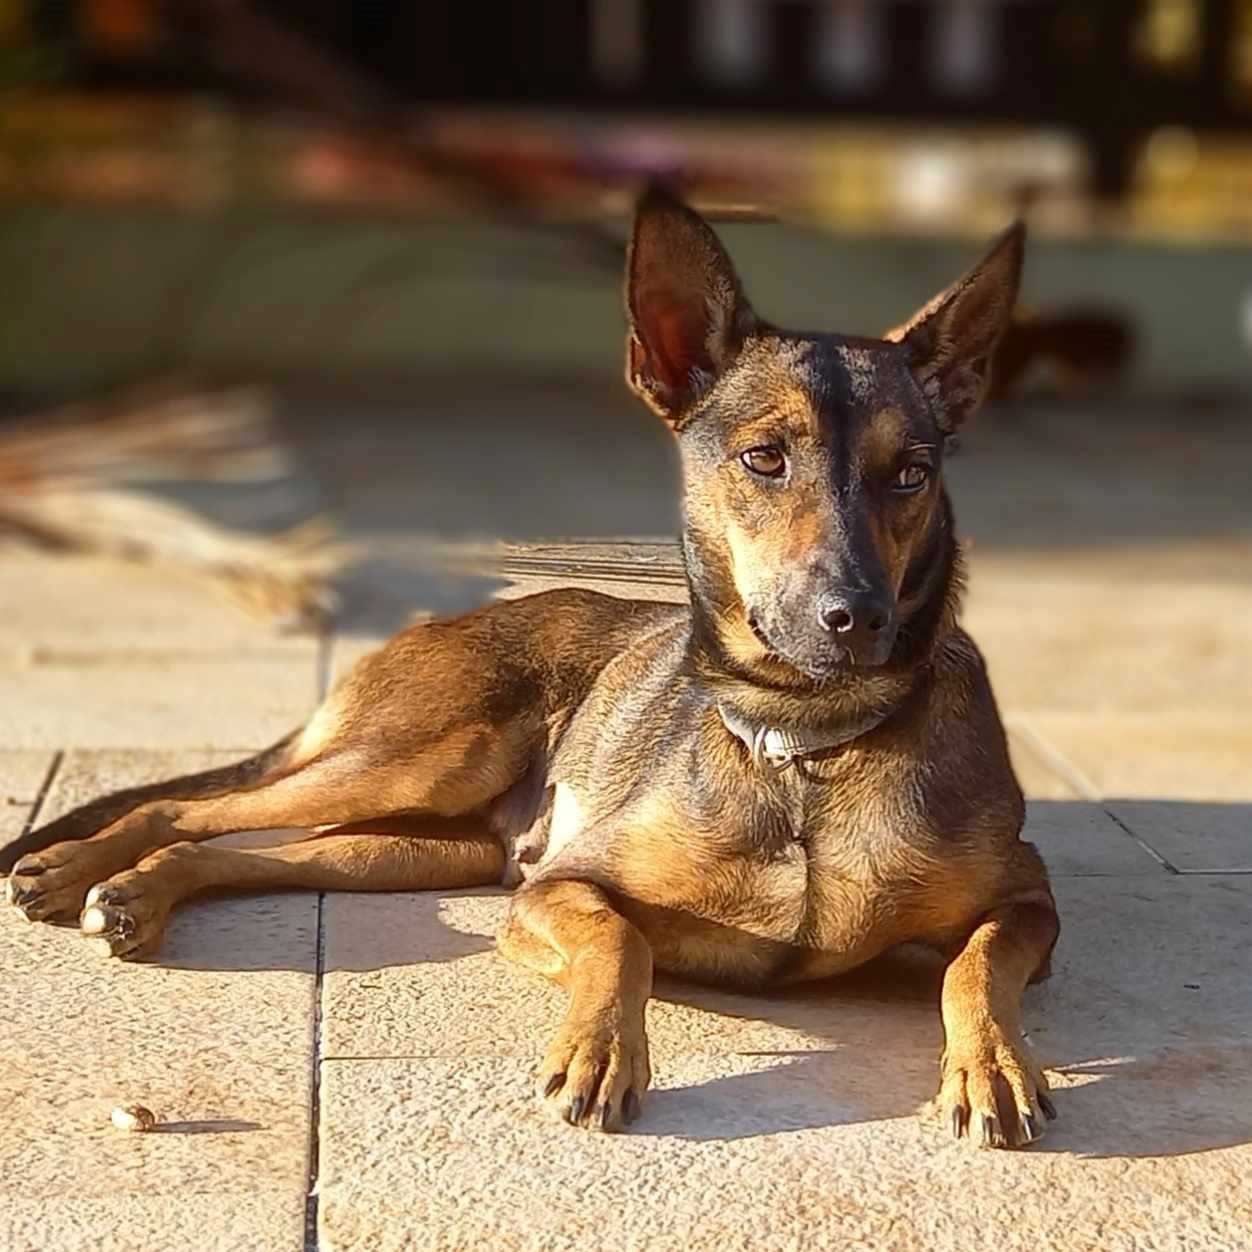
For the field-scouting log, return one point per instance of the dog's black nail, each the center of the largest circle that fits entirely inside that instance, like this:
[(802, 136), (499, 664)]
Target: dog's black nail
[(1049, 1109), (555, 1083), (991, 1131), (575, 1114), (1030, 1128), (604, 1115), (631, 1108), (958, 1122)]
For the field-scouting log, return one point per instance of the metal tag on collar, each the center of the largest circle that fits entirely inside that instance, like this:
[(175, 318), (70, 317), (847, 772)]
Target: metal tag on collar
[(769, 752)]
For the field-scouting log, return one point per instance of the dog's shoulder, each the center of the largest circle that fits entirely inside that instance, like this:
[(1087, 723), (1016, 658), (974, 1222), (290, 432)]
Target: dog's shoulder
[(963, 749)]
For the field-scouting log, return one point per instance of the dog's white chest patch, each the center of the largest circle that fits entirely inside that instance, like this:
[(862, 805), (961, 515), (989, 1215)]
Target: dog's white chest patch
[(567, 820)]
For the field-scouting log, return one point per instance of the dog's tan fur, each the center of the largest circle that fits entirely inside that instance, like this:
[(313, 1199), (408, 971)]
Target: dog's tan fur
[(576, 742)]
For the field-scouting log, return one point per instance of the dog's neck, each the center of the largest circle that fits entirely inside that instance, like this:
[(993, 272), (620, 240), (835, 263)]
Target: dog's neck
[(846, 704)]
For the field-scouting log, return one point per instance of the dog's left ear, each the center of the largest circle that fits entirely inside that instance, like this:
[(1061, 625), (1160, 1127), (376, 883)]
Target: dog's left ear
[(688, 314), (954, 338)]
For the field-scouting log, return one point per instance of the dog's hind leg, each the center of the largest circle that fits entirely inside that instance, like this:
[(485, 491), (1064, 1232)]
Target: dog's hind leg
[(88, 819), (335, 790), (125, 915)]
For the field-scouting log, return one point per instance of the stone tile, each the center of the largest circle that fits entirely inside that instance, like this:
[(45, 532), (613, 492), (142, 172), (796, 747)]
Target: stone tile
[(208, 1222), (1153, 962), (1077, 838), (748, 1153), (1104, 644), (1192, 836), (225, 700), (1037, 777), (22, 774), (215, 1037), (67, 606), (791, 1124), (1153, 757)]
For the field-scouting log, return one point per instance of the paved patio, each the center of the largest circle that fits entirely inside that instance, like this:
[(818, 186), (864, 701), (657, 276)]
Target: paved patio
[(353, 1072)]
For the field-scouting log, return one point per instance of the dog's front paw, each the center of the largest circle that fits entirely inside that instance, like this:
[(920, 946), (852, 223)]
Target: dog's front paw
[(993, 1092), (597, 1070)]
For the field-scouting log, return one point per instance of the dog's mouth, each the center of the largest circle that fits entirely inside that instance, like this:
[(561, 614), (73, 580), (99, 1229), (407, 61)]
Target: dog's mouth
[(762, 638), (819, 668)]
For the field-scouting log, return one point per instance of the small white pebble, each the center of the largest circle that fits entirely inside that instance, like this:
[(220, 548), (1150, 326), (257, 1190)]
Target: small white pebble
[(133, 1117)]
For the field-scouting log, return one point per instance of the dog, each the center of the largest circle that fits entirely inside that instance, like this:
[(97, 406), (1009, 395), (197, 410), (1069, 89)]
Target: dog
[(801, 769)]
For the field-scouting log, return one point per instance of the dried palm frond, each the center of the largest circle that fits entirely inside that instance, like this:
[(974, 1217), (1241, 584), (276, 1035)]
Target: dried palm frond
[(68, 478)]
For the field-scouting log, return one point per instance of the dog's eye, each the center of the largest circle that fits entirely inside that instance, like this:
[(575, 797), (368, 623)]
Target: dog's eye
[(769, 462), (912, 478)]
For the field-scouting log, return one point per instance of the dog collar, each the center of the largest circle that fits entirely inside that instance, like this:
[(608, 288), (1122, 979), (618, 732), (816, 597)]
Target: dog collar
[(777, 748)]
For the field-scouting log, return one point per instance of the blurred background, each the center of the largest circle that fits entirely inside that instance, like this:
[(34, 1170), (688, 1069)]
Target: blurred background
[(267, 260)]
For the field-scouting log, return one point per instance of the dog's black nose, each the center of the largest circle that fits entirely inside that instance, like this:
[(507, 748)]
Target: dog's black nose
[(854, 615)]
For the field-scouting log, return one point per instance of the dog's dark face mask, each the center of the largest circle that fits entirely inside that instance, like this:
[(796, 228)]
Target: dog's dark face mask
[(812, 464)]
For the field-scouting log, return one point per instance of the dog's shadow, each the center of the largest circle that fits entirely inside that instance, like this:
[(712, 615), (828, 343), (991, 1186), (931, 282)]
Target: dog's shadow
[(871, 1047), (1145, 1040), (867, 1049)]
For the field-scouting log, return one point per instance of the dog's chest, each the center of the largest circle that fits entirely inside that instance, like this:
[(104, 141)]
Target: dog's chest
[(746, 885)]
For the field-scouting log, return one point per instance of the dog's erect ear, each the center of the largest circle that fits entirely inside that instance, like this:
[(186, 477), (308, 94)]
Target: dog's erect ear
[(688, 316), (953, 339)]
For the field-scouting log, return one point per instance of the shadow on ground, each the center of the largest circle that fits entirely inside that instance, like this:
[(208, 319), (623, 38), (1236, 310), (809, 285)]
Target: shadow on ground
[(1142, 1025)]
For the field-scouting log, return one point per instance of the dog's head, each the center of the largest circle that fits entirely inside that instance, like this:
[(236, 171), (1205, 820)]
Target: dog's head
[(814, 506)]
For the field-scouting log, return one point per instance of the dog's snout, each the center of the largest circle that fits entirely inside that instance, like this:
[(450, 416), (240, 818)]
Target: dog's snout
[(854, 616)]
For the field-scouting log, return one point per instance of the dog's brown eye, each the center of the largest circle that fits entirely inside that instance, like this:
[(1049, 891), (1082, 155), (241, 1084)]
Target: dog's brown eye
[(768, 462), (912, 478)]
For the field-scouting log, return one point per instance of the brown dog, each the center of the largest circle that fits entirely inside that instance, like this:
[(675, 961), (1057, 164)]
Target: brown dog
[(801, 770)]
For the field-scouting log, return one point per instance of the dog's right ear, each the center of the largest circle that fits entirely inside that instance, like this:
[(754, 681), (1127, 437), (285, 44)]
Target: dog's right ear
[(688, 315)]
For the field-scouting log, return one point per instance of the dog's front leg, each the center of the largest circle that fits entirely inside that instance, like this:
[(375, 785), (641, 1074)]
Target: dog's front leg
[(991, 1087), (596, 1071)]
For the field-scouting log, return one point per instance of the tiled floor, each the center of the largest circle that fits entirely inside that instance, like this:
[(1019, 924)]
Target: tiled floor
[(354, 1072)]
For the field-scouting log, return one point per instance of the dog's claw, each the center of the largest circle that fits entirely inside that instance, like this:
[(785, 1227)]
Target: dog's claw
[(605, 1116), (1049, 1109), (14, 893), (554, 1084), (35, 903), (1030, 1128), (992, 1135), (574, 1114), (20, 901), (958, 1122)]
